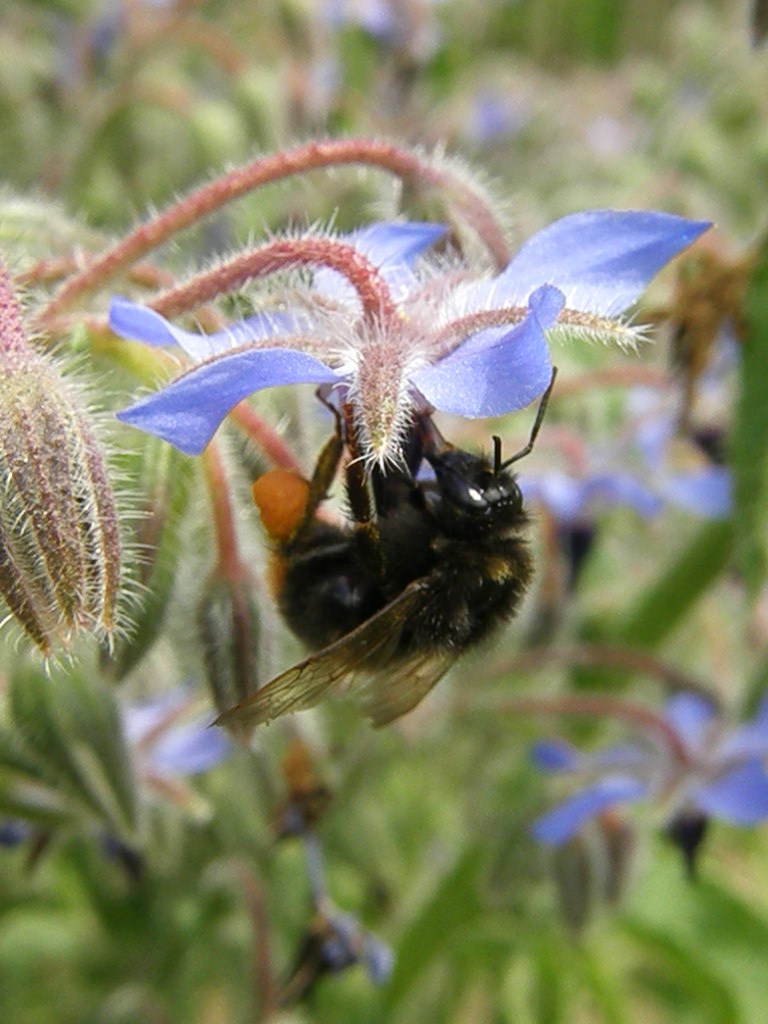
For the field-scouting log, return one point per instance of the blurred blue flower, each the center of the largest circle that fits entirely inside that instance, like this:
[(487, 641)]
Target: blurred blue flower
[(409, 27), (470, 347), (647, 468), (572, 498), (13, 832), (495, 117), (346, 942), (334, 940), (169, 739), (332, 943), (711, 770), (678, 475)]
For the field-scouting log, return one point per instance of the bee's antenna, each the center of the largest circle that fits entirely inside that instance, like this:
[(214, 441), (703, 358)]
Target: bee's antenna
[(498, 465), (540, 413)]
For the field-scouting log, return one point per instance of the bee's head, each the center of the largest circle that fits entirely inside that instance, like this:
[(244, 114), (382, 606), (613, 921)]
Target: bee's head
[(475, 495)]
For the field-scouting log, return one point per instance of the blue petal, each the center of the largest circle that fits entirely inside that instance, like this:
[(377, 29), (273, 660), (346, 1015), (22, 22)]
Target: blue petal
[(494, 117), (749, 740), (170, 747), (563, 495), (139, 323), (378, 958), (397, 242), (554, 756), (627, 756), (690, 716), (188, 749), (739, 797), (761, 715), (705, 492), (565, 820), (341, 942), (611, 489), (13, 832), (569, 498), (496, 371), (188, 411), (601, 260), (141, 718), (652, 436), (392, 248), (558, 756)]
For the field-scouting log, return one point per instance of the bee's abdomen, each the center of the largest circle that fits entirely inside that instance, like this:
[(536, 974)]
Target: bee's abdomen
[(326, 589)]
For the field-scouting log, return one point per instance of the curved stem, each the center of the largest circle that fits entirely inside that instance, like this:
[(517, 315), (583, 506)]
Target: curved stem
[(310, 156), (450, 336), (614, 377), (605, 656), (596, 706), (264, 437), (281, 254), (227, 552)]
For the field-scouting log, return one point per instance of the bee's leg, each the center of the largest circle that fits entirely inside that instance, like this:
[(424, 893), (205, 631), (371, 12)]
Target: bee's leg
[(359, 496), (433, 444), (326, 467)]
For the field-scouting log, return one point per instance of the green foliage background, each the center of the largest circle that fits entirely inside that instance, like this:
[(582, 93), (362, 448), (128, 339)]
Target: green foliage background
[(604, 103)]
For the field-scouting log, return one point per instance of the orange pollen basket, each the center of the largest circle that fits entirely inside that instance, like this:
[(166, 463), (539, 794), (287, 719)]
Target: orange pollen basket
[(281, 497)]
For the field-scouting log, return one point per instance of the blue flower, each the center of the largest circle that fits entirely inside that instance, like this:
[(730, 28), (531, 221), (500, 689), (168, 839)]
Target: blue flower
[(645, 470), (170, 740), (469, 346), (680, 475), (709, 769), (495, 117), (410, 27), (334, 940), (346, 942), (571, 498), (13, 832)]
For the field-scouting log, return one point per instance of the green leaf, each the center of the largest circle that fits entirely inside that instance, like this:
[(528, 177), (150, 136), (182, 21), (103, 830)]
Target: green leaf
[(26, 790), (548, 998), (757, 687), (599, 978), (749, 446), (663, 605), (70, 736), (454, 904), (707, 939), (676, 974), (167, 480)]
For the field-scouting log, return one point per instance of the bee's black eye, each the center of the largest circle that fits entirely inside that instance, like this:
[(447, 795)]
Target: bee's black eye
[(460, 482), (470, 495)]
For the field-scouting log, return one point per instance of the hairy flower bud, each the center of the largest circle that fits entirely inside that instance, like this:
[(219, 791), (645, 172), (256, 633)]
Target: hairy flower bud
[(59, 538), (228, 627), (591, 870)]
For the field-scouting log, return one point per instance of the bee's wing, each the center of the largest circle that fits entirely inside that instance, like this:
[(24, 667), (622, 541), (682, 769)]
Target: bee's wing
[(360, 663), (388, 693)]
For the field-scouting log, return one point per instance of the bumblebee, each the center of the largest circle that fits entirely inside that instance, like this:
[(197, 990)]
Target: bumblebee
[(426, 570)]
